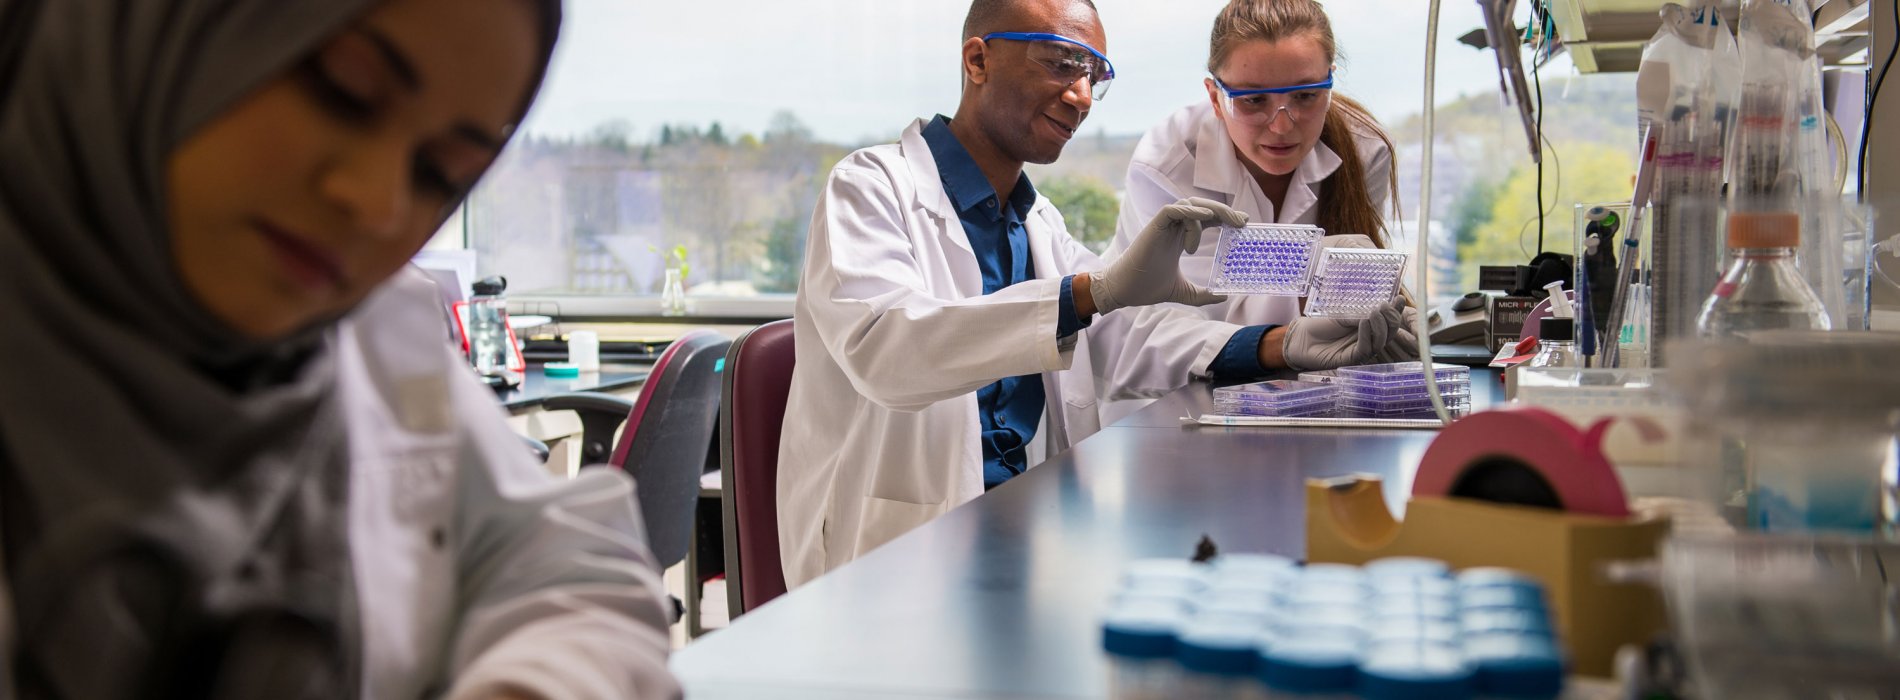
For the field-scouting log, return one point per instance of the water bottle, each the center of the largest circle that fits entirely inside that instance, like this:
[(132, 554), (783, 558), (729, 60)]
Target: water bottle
[(488, 327), (1762, 289), (1556, 344)]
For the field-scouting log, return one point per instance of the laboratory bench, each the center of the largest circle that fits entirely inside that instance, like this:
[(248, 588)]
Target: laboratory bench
[(1003, 597)]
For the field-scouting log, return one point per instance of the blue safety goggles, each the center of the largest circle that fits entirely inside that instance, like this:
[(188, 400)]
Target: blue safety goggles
[(1066, 65), (1326, 84), (1301, 103)]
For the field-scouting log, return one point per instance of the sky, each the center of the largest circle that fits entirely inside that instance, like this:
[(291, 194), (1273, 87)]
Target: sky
[(858, 71)]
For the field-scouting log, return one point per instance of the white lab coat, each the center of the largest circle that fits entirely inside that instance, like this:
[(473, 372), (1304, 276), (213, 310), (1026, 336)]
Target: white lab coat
[(894, 337), (473, 567), (1191, 155), (473, 570)]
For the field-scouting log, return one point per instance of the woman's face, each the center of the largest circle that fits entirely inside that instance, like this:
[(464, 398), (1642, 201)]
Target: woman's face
[(1273, 139), (294, 204)]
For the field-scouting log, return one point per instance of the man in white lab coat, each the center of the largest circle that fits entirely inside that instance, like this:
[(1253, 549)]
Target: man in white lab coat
[(938, 319)]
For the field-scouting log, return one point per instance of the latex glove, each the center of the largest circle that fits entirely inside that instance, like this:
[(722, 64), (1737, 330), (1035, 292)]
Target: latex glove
[(1402, 339), (1149, 272), (1330, 343)]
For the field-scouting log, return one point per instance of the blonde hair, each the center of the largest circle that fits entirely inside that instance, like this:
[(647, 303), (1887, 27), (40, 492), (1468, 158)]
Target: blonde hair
[(1345, 205)]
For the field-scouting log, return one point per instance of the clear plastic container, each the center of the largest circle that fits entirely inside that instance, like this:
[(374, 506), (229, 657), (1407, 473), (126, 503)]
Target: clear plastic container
[(1401, 374), (1265, 259), (1762, 289), (1794, 431), (1374, 407), (1276, 392), (1323, 376), (1785, 616), (488, 347), (1353, 282), (1408, 392), (1311, 408), (1556, 345)]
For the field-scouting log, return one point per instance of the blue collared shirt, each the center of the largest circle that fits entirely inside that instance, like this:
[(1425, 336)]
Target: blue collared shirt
[(1008, 410)]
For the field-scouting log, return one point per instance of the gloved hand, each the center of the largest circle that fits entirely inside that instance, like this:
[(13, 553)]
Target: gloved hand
[(1329, 343), (1149, 272), (1402, 343)]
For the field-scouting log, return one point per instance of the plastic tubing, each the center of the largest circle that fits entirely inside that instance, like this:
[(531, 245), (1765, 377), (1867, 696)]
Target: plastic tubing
[(1425, 216)]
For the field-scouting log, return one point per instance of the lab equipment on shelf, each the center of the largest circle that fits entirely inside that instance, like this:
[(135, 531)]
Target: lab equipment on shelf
[(1265, 259), (1261, 626)]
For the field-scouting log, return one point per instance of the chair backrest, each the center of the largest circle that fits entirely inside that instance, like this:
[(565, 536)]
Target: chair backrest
[(757, 379), (668, 433)]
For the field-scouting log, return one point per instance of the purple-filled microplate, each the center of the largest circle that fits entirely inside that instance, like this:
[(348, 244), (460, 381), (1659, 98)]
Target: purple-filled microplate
[(1265, 259), (1310, 408), (1359, 405), (1354, 282), (1402, 392), (1276, 392), (1401, 374)]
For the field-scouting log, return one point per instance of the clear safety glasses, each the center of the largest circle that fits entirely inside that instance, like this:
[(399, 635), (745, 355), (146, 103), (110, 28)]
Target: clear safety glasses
[(1301, 103), (1068, 60)]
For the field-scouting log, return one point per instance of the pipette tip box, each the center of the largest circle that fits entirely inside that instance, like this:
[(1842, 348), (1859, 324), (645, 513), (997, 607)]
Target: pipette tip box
[(1275, 259)]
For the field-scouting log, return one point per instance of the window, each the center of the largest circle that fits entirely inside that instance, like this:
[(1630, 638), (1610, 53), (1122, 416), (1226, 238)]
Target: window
[(709, 129)]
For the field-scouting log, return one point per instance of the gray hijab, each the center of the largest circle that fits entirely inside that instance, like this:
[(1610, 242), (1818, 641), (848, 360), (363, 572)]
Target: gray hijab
[(172, 497)]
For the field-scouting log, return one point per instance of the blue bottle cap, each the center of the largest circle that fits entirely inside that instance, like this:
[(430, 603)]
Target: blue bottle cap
[(1492, 575), (1222, 645), (561, 369), (1511, 620), (1262, 564), (1514, 596), (1414, 671), (1317, 594), (1399, 586), (1236, 602), (1144, 630), (1310, 663), (1412, 629), (1336, 620), (1165, 574), (1337, 574), (1414, 606), (1407, 567), (1517, 666)]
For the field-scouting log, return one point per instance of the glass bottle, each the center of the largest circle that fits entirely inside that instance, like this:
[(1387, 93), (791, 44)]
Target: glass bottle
[(673, 295), (1556, 344), (1762, 289), (488, 326)]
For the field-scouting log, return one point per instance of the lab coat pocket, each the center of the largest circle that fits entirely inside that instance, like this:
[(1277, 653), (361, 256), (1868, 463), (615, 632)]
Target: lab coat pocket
[(885, 520)]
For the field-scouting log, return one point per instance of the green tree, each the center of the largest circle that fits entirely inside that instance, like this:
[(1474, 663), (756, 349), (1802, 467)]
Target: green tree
[(784, 257), (1591, 172), (1088, 207)]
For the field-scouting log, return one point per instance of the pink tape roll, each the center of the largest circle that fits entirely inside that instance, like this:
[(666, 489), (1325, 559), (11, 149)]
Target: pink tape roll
[(1487, 454)]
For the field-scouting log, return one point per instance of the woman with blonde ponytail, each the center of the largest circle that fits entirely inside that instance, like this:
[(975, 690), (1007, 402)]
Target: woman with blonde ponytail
[(1273, 140)]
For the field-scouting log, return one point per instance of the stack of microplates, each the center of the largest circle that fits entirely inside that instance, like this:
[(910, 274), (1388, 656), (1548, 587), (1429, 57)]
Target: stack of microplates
[(1251, 625), (1290, 260), (1278, 398), (1398, 389)]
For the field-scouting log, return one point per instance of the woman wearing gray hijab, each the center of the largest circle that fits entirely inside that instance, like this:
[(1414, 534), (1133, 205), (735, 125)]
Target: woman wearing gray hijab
[(236, 457)]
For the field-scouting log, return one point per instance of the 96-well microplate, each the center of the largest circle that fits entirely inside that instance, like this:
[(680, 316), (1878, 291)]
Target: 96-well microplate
[(1265, 259), (1352, 282)]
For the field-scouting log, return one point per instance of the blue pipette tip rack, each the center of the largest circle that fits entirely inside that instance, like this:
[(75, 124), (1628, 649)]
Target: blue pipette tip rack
[(1275, 259)]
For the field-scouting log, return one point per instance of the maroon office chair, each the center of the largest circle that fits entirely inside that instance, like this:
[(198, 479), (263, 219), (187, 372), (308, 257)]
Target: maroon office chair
[(751, 410), (670, 429)]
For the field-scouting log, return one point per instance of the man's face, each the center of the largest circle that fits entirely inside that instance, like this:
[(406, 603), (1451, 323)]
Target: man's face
[(1022, 105)]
